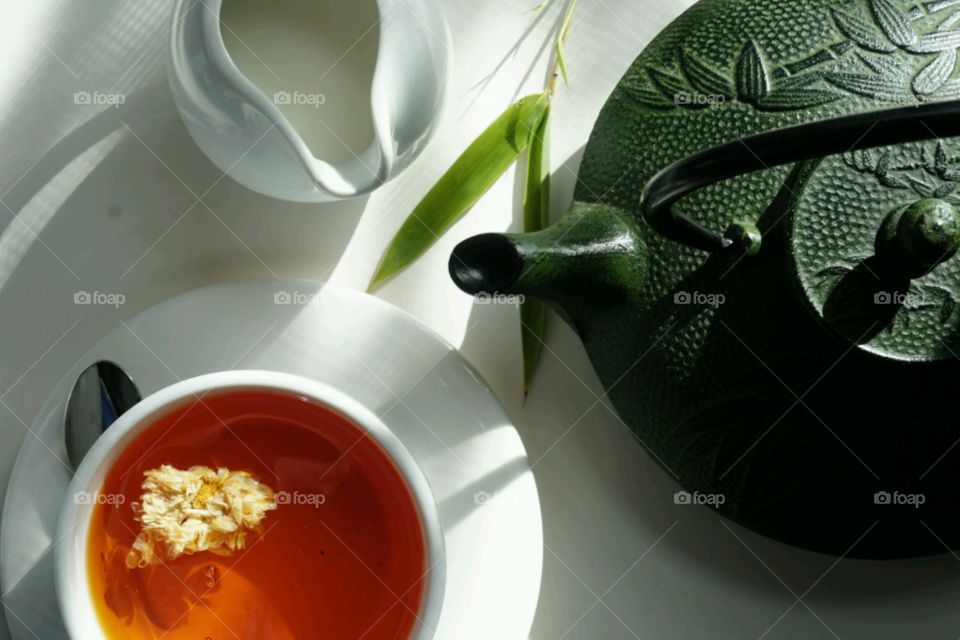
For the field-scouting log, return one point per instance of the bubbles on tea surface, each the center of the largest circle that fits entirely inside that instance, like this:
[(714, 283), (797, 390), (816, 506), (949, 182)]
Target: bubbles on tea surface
[(211, 575)]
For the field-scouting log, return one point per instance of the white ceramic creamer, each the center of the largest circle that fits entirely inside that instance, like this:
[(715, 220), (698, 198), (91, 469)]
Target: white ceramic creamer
[(310, 100)]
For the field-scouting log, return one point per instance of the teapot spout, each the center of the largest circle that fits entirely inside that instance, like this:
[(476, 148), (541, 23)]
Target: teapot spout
[(591, 257)]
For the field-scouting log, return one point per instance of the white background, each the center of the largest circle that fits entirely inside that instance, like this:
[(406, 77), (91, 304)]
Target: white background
[(102, 203)]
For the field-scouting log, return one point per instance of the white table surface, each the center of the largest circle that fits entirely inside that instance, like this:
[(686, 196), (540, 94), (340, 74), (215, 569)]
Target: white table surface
[(101, 207)]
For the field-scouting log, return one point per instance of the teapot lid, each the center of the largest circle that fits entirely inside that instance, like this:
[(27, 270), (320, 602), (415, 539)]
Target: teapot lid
[(874, 238), (872, 217)]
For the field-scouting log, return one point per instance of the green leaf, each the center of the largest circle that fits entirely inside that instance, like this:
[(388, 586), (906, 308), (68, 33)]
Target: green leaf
[(531, 115), (922, 186), (753, 80), (800, 81), (859, 160), (789, 99), (536, 216), (536, 198), (877, 87), (884, 175), (562, 62), (896, 24), (472, 174), (936, 42), (883, 65), (945, 190), (672, 87), (928, 166), (883, 165), (533, 324), (941, 161), (892, 181), (949, 91), (863, 33), (936, 74), (707, 80), (562, 38), (647, 97)]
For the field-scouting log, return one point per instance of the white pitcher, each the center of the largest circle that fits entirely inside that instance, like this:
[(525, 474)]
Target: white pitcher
[(250, 134)]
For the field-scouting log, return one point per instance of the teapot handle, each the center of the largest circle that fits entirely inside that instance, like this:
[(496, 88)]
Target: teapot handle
[(779, 147)]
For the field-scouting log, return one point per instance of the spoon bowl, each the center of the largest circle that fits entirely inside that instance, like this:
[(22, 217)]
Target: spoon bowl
[(102, 393)]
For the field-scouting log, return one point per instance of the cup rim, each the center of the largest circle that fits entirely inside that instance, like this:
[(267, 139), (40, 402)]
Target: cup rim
[(74, 598)]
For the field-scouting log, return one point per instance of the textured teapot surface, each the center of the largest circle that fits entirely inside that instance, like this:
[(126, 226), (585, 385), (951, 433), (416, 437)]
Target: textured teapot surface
[(811, 393), (728, 69)]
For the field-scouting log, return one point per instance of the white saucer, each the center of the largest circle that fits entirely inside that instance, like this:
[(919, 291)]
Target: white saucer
[(418, 384)]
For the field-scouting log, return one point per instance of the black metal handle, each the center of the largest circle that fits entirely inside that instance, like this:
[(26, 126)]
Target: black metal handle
[(779, 147)]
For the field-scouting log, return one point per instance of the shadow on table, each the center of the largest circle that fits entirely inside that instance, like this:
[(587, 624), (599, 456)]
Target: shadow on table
[(110, 204), (135, 166)]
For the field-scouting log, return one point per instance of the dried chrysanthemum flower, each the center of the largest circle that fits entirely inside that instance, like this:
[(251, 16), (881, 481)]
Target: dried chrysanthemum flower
[(199, 509)]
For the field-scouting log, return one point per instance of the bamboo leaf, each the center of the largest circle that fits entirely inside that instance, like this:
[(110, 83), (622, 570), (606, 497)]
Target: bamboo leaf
[(877, 87), (789, 99), (884, 175), (647, 97), (863, 33), (533, 320), (928, 166), (536, 216), (706, 79), (536, 199), (675, 89), (753, 80), (896, 24), (936, 74), (922, 187), (936, 42), (894, 182), (941, 161), (883, 165), (860, 161), (801, 81), (883, 65), (945, 190), (562, 62), (949, 91), (531, 114), (471, 175), (562, 38)]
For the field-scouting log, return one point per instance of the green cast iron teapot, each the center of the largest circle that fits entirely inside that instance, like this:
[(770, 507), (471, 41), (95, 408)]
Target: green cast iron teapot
[(760, 260)]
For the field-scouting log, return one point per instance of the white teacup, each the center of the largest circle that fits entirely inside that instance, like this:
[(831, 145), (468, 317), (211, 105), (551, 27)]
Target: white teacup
[(73, 590)]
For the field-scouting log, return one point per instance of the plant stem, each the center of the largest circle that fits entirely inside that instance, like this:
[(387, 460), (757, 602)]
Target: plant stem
[(564, 32)]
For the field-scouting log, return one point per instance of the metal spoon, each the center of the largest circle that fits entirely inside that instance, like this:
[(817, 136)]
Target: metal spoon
[(102, 393)]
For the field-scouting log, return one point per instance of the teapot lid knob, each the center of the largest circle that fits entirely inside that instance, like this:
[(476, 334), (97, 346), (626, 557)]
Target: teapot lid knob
[(873, 239), (915, 239)]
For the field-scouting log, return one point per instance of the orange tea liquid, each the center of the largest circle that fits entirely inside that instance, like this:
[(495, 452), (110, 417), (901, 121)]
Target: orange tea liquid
[(342, 557)]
